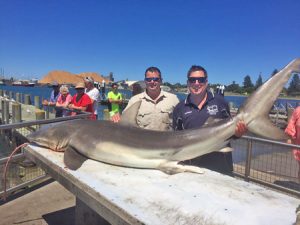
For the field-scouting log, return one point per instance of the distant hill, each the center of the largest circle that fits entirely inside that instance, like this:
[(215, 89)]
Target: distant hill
[(64, 77)]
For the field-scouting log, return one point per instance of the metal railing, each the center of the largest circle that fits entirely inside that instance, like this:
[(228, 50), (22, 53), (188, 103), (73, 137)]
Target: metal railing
[(23, 173), (267, 162)]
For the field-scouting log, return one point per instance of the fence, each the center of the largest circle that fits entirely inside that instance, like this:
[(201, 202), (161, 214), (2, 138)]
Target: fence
[(22, 173), (267, 162)]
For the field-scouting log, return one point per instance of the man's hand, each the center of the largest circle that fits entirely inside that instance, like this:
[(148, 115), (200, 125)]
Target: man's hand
[(240, 129), (45, 102), (115, 118)]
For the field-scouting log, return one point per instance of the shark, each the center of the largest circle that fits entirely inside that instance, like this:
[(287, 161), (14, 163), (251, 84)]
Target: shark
[(127, 145)]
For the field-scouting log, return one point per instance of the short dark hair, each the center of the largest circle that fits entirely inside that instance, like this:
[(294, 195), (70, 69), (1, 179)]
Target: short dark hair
[(196, 68), (114, 84), (153, 69)]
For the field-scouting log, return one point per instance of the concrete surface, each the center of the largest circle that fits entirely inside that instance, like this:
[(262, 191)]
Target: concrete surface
[(49, 204)]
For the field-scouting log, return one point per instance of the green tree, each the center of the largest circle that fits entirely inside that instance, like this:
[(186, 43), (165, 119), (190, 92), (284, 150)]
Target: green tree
[(234, 87), (294, 87), (258, 82), (248, 85), (274, 72)]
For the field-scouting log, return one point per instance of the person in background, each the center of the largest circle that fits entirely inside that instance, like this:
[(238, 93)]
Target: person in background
[(53, 98), (82, 101), (115, 99), (103, 89), (293, 131), (194, 112), (155, 112), (93, 93), (136, 88), (64, 100)]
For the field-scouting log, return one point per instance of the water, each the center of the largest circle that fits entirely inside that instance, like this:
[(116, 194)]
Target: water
[(44, 93)]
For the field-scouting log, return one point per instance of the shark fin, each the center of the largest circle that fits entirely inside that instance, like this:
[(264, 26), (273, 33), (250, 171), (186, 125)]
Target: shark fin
[(256, 108), (174, 168), (128, 117), (264, 127), (73, 159)]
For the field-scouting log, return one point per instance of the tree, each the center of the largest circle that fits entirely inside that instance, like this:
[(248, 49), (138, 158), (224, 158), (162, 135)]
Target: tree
[(233, 88), (248, 85), (274, 72), (258, 82), (294, 87)]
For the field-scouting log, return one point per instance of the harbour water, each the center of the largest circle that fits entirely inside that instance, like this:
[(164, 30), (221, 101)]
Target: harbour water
[(44, 93)]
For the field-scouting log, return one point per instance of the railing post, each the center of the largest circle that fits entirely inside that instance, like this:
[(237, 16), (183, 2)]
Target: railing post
[(27, 100), (3, 111), (248, 160), (2, 106), (10, 95), (39, 114), (47, 109), (106, 114), (16, 112), (37, 101), (21, 98), (18, 97), (6, 111)]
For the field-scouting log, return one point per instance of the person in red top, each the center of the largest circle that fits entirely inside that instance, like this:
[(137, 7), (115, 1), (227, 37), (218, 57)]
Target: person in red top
[(293, 130), (82, 101)]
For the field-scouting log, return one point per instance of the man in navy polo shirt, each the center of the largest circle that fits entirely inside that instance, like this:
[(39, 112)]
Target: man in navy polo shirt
[(200, 108)]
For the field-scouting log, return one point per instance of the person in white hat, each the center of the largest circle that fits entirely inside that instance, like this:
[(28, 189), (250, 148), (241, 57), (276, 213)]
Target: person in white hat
[(93, 92)]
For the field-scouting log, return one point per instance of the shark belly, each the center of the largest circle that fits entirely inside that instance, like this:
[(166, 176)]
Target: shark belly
[(117, 154)]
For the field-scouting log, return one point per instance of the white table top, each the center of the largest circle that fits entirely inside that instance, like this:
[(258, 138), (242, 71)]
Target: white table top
[(153, 197)]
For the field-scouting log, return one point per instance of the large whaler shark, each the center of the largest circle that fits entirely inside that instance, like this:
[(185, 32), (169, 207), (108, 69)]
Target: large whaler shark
[(130, 146)]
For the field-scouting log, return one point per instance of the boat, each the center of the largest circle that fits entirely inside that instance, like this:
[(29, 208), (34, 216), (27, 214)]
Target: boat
[(23, 83)]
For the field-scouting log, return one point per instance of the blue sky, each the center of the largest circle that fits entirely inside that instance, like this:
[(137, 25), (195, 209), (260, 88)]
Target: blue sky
[(230, 38)]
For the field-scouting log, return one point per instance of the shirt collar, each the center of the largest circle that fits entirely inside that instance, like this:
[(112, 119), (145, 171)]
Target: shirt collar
[(162, 94), (210, 96)]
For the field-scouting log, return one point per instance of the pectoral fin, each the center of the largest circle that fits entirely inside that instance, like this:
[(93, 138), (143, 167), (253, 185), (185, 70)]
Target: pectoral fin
[(173, 168), (73, 159), (226, 149)]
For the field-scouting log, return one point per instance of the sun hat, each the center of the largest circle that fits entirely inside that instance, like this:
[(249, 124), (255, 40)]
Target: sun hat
[(79, 85)]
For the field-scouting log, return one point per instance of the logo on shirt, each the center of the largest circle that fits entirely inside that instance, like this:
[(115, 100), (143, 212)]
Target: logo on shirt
[(188, 112), (212, 109)]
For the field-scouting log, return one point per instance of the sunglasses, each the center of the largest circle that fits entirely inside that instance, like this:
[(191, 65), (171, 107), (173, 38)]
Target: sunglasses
[(149, 79), (200, 80)]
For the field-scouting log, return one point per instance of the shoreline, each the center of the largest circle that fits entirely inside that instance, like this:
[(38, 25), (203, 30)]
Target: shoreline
[(281, 97)]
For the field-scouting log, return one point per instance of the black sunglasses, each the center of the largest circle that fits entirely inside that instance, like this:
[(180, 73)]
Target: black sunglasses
[(149, 79), (200, 80)]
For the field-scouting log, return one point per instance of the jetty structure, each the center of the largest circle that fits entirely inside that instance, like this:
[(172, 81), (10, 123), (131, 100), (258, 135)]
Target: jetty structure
[(99, 193)]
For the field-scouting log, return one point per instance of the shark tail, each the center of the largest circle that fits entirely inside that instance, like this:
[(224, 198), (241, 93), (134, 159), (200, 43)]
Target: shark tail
[(255, 111)]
